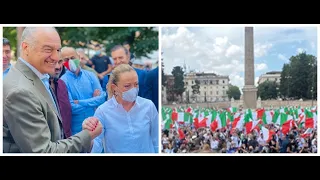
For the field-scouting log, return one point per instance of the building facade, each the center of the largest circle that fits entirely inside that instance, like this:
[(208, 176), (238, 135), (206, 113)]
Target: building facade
[(273, 76), (212, 88)]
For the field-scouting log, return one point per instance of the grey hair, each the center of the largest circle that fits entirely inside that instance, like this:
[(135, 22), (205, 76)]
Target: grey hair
[(28, 35), (68, 47), (117, 47)]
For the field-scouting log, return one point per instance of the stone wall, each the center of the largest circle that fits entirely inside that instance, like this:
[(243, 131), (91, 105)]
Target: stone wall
[(236, 103)]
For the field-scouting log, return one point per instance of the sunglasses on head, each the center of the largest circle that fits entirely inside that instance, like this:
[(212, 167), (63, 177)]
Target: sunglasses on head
[(5, 41)]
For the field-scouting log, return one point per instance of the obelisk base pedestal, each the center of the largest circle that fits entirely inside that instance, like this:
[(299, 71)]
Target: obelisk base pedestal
[(249, 97)]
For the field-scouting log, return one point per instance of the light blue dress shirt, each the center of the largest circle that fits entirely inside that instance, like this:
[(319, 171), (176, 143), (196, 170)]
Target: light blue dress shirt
[(5, 72), (81, 88), (135, 131)]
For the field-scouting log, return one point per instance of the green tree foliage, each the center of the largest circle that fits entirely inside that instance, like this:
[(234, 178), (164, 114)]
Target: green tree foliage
[(141, 45), (268, 90), (145, 43), (234, 92), (178, 86), (11, 34), (302, 73)]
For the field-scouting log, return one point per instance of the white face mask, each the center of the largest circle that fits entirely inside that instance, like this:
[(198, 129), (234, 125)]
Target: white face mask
[(130, 95)]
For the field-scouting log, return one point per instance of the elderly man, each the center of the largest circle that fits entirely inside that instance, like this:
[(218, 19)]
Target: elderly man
[(31, 118), (84, 89)]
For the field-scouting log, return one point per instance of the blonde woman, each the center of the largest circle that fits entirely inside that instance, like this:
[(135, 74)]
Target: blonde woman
[(130, 122)]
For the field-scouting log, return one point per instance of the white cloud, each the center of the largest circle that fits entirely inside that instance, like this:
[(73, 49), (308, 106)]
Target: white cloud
[(313, 45), (221, 50), (261, 49), (300, 50), (283, 58)]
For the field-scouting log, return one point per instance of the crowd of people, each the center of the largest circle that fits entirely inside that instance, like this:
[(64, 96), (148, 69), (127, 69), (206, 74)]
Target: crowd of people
[(299, 136), (59, 100)]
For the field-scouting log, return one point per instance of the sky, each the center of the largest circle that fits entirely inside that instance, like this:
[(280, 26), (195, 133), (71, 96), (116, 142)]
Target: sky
[(221, 49)]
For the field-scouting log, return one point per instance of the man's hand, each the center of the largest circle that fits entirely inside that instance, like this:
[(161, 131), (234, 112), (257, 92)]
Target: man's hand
[(76, 101), (96, 93)]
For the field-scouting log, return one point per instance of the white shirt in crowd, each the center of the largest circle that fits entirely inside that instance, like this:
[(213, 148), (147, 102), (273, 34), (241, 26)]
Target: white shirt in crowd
[(261, 141), (214, 144), (235, 140), (165, 140)]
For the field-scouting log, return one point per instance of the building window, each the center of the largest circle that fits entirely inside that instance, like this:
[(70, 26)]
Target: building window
[(217, 81), (210, 92), (223, 87), (210, 82), (223, 82), (217, 92)]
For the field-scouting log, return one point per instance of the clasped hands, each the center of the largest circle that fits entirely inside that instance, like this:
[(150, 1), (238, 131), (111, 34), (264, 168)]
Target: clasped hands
[(93, 125)]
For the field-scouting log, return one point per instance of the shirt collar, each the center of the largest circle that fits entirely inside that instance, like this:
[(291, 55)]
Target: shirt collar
[(9, 66), (41, 76), (73, 74)]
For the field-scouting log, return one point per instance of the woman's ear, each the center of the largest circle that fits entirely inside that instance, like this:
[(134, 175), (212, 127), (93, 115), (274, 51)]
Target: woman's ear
[(113, 88)]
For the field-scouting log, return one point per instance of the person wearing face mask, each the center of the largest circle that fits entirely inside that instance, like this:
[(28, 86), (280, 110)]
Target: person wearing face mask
[(84, 90), (130, 122), (101, 64)]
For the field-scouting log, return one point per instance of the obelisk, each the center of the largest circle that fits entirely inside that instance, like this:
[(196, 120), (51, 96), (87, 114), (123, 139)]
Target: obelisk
[(249, 90)]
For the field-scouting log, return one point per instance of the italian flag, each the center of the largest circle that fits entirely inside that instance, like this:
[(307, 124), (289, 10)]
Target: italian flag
[(211, 117), (267, 117), (200, 120), (260, 113), (232, 109), (167, 123), (287, 123), (307, 133), (251, 125), (311, 119), (267, 134), (219, 122), (276, 118), (238, 122), (182, 117)]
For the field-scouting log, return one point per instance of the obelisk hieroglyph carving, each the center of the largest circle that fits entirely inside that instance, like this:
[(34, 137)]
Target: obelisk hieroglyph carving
[(249, 90)]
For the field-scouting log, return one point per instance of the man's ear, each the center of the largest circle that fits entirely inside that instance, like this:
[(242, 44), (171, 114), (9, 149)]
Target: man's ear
[(25, 48)]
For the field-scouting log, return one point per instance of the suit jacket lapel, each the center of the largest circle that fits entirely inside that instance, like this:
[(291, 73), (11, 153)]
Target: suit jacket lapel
[(38, 84)]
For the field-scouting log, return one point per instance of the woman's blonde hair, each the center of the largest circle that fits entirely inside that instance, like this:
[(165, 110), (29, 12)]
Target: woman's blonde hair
[(114, 77)]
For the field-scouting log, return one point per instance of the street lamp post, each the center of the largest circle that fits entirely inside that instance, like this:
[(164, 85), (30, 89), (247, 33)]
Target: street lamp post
[(312, 95), (187, 96), (288, 77), (312, 65)]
